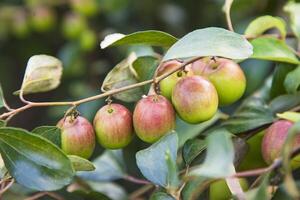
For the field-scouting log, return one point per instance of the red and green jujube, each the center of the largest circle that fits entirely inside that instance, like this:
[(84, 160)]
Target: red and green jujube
[(113, 126)]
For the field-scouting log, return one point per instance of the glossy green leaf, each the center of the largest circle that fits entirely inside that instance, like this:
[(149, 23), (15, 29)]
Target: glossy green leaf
[(191, 149), (264, 23), (293, 9), (292, 116), (145, 67), (194, 188), (2, 123), (81, 164), (187, 131), (219, 157), (210, 42), (43, 73), (151, 37), (280, 72), (284, 102), (2, 100), (172, 179), (253, 113), (92, 195), (123, 75), (109, 166), (261, 192), (152, 161), (292, 81), (161, 196), (287, 149), (110, 189), (281, 192), (33, 161), (52, 133), (273, 49)]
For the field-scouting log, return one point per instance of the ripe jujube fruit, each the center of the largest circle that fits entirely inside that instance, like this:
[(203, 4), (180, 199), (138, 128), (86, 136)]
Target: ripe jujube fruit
[(195, 99), (113, 126), (166, 85), (77, 136), (274, 140), (226, 75), (153, 117)]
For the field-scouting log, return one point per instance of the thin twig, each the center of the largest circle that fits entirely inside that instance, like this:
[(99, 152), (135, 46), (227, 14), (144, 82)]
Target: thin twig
[(41, 194), (136, 180), (96, 97)]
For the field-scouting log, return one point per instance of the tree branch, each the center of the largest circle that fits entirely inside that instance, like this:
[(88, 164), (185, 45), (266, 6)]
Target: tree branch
[(96, 97)]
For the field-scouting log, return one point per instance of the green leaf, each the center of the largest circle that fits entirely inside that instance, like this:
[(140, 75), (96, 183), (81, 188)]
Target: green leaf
[(145, 67), (43, 73), (187, 131), (2, 100), (52, 133), (210, 42), (219, 159), (2, 123), (261, 192), (284, 102), (33, 161), (161, 196), (287, 149), (292, 80), (110, 189), (293, 9), (269, 48), (253, 113), (81, 164), (191, 149), (152, 161), (194, 188), (281, 70), (261, 24), (172, 179), (109, 166), (292, 116), (123, 75), (281, 193), (151, 37), (92, 195)]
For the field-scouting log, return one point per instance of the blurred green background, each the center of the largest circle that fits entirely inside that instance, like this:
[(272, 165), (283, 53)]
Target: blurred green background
[(73, 29)]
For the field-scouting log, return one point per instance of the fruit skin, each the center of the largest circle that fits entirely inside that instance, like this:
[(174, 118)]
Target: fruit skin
[(85, 7), (195, 99), (274, 139), (77, 136), (153, 117), (113, 126), (73, 26), (43, 19), (226, 75), (219, 190), (166, 85), (253, 158)]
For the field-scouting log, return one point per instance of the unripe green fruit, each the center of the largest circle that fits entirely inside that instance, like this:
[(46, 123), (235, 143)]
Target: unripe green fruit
[(113, 126), (85, 7), (166, 85), (42, 19), (195, 99), (153, 117), (253, 158), (227, 77), (274, 140), (219, 190), (73, 26), (20, 25), (77, 136)]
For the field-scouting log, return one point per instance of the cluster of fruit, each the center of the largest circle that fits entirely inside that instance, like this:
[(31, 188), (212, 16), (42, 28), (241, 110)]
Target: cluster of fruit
[(195, 92)]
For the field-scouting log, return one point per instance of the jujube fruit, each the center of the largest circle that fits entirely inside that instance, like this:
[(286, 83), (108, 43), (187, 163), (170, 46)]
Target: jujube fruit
[(195, 99), (274, 140), (42, 19), (226, 75), (166, 85), (77, 136), (153, 117), (113, 126)]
